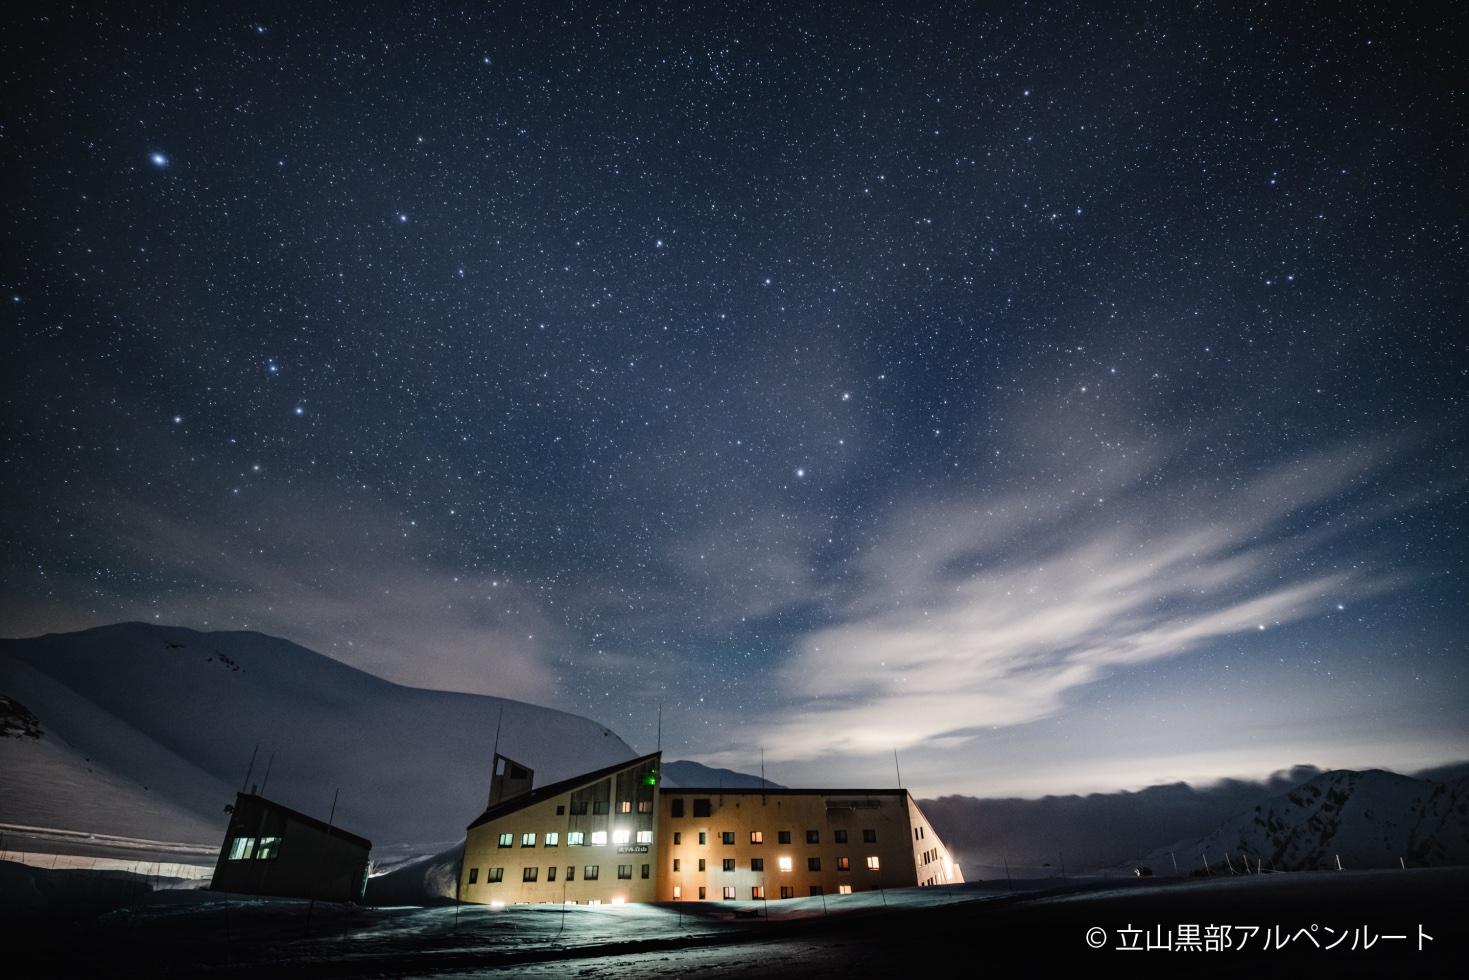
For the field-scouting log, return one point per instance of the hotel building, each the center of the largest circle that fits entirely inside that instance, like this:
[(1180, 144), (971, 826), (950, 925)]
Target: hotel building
[(615, 836)]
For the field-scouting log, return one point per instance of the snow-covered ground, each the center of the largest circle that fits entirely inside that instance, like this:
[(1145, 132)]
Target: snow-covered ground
[(147, 731)]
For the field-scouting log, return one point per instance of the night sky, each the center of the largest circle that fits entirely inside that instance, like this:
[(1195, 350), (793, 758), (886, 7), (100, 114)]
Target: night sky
[(1066, 398)]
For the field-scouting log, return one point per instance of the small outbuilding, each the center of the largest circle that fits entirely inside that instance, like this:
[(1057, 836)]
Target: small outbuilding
[(271, 849)]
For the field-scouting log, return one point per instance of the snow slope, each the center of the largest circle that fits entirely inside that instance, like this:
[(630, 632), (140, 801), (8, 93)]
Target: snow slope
[(1371, 819), (147, 730)]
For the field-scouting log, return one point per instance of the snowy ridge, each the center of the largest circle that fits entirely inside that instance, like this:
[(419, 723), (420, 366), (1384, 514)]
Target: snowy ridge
[(146, 731), (1370, 819)]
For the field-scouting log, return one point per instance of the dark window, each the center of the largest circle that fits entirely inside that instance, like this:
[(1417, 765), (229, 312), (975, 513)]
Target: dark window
[(676, 807), (703, 837), (579, 808), (869, 837), (473, 875), (590, 872), (678, 837), (727, 836), (787, 891), (675, 864), (551, 873), (496, 875), (729, 864), (702, 808), (645, 806), (701, 864), (561, 809), (813, 864), (571, 872), (601, 806), (624, 871), (840, 836), (816, 890), (647, 870), (813, 837), (757, 864), (783, 836), (529, 874), (703, 893)]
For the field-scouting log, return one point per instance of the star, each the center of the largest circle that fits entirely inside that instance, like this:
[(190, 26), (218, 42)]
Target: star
[(159, 160)]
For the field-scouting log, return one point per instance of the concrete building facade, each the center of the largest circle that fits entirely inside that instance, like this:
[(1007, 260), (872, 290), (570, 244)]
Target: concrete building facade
[(615, 836)]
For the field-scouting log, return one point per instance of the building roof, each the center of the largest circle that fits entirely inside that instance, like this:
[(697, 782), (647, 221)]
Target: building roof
[(556, 789), (302, 818), (773, 791)]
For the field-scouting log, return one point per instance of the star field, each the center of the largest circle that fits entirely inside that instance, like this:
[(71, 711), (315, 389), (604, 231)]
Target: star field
[(1043, 392)]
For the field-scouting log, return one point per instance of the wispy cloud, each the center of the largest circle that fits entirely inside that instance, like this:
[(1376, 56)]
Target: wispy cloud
[(990, 612)]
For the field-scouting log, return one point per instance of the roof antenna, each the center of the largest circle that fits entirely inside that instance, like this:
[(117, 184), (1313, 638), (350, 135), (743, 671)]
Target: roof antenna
[(266, 778), (660, 726), (763, 801), (251, 769), (898, 770), (495, 753)]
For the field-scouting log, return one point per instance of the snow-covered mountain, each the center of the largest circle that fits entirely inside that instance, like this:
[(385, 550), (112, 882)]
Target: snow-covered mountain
[(146, 731), (686, 772), (1370, 819)]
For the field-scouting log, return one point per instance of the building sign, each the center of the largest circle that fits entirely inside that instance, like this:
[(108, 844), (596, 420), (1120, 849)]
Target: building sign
[(632, 849)]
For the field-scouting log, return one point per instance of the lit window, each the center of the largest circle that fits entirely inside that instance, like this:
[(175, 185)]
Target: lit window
[(840, 836), (575, 838), (624, 871), (729, 864), (813, 837), (869, 837), (599, 838), (527, 840), (645, 806), (529, 874), (590, 872), (813, 864), (269, 847), (495, 876), (783, 863), (729, 892), (621, 836), (241, 847), (757, 892), (757, 864), (844, 864), (553, 839), (645, 837), (625, 806), (783, 836), (757, 837), (678, 891), (872, 863), (473, 876), (551, 873), (844, 889), (507, 840), (676, 864)]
